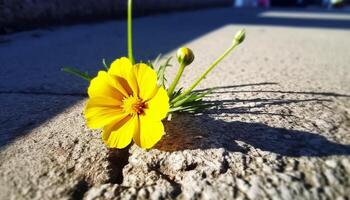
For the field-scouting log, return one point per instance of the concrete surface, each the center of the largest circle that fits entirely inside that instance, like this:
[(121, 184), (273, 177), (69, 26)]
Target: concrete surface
[(281, 132), (17, 15)]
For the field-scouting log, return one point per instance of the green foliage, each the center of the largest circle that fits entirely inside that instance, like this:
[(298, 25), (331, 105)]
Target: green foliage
[(104, 64), (192, 103), (151, 64), (83, 75), (161, 71)]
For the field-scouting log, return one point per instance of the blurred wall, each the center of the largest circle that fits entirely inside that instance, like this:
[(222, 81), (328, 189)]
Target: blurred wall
[(18, 15)]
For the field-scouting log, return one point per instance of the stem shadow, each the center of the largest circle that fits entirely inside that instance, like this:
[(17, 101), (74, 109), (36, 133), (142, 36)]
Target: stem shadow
[(189, 132), (205, 131)]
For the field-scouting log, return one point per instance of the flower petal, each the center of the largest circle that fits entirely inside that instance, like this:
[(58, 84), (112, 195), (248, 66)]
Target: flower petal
[(100, 111), (147, 81), (119, 134), (158, 106), (150, 132), (123, 69), (102, 85)]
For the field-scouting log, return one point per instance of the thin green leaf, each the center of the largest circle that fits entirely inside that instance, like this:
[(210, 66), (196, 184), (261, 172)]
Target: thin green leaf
[(104, 64), (191, 109), (175, 94), (150, 64), (182, 101), (83, 75), (155, 62), (193, 96), (193, 106), (161, 72)]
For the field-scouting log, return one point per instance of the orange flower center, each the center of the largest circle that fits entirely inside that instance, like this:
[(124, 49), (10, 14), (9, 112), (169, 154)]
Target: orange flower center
[(134, 105)]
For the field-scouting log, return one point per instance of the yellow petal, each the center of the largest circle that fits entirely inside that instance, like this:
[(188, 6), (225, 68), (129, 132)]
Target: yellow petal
[(150, 132), (102, 103), (100, 111), (147, 81), (123, 69), (158, 106), (119, 134), (102, 85)]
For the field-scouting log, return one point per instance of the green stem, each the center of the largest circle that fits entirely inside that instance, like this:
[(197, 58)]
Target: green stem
[(176, 80), (211, 67), (130, 53)]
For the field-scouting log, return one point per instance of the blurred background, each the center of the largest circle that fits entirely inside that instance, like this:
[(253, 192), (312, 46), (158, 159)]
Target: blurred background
[(16, 15)]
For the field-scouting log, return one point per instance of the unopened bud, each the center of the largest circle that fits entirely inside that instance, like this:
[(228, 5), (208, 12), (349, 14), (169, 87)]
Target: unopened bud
[(185, 56), (239, 37)]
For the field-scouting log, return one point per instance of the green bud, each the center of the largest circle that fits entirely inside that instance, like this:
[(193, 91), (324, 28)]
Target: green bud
[(185, 56), (240, 36)]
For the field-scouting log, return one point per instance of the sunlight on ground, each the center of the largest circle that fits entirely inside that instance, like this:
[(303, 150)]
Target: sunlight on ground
[(305, 15)]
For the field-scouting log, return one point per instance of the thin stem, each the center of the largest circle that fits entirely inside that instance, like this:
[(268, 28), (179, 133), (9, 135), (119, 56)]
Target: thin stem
[(176, 80), (211, 67), (130, 53)]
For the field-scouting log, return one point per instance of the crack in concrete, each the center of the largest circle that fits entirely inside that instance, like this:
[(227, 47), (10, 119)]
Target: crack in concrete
[(176, 186), (80, 189), (118, 159)]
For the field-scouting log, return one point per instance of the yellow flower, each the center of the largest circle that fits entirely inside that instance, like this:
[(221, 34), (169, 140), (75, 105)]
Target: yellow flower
[(127, 102)]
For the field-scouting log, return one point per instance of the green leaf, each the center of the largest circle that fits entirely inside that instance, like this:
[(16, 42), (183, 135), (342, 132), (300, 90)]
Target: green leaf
[(193, 108), (161, 72), (191, 103), (175, 94), (193, 96), (182, 101), (150, 64), (104, 64), (83, 75), (155, 62), (200, 95)]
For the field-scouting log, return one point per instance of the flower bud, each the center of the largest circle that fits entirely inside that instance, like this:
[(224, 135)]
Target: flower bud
[(240, 36), (185, 56)]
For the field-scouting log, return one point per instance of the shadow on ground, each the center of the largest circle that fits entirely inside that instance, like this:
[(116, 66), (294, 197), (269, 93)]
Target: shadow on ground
[(189, 132)]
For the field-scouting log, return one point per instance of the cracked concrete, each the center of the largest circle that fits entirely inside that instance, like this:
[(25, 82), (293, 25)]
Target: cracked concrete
[(281, 130)]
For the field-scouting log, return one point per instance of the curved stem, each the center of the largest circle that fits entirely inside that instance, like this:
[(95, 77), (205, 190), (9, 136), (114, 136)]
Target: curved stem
[(210, 68), (176, 80), (130, 53)]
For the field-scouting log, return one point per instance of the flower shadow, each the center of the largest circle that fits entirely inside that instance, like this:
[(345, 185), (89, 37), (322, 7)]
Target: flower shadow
[(188, 132), (210, 130)]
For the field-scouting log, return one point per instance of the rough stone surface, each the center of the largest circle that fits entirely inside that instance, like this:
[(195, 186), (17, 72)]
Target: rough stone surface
[(281, 130)]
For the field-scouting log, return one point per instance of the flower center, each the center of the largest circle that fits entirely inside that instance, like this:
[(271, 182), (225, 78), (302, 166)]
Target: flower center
[(133, 105)]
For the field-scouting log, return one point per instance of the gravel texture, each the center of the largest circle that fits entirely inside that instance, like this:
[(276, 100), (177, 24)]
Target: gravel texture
[(281, 130)]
